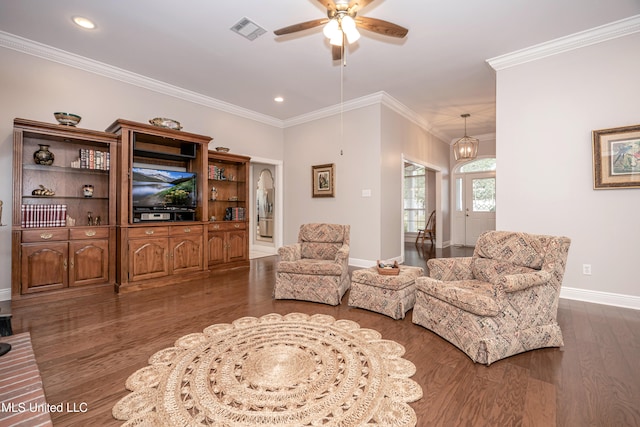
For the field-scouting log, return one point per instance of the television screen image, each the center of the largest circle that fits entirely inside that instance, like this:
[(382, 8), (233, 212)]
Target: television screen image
[(156, 188)]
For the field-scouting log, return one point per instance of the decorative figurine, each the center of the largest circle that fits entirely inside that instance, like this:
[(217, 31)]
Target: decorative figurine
[(87, 190)]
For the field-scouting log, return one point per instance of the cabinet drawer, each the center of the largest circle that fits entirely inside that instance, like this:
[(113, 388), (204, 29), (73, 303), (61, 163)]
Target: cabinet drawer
[(88, 233), (49, 234), (148, 232), (183, 230), (227, 226)]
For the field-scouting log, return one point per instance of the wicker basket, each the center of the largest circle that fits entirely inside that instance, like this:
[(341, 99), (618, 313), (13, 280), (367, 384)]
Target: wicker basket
[(388, 270)]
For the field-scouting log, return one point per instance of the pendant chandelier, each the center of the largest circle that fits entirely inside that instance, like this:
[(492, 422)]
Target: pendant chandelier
[(466, 148)]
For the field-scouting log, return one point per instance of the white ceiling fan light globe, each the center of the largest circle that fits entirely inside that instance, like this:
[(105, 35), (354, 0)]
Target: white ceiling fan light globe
[(337, 40), (352, 35), (348, 23), (332, 29)]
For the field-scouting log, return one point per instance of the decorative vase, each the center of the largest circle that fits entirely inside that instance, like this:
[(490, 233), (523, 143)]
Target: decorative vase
[(43, 156)]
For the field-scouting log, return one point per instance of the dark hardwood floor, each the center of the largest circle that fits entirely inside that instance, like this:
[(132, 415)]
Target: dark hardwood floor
[(87, 347)]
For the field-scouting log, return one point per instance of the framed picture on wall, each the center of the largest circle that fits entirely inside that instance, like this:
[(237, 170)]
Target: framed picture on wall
[(323, 180), (616, 157)]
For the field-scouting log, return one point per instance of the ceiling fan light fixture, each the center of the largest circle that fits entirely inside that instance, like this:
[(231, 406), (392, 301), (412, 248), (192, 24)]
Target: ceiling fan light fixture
[(352, 35), (337, 39), (347, 23), (466, 148), (332, 29)]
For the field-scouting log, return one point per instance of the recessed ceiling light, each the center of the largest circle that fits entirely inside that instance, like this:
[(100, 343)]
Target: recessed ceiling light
[(278, 99), (84, 22)]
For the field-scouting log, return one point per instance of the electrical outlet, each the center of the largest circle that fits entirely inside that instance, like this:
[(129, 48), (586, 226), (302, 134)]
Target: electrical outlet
[(586, 269)]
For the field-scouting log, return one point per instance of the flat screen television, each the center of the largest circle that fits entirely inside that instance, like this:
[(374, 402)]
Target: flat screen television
[(158, 188)]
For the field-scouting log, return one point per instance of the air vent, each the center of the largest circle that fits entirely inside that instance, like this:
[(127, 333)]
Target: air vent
[(248, 29)]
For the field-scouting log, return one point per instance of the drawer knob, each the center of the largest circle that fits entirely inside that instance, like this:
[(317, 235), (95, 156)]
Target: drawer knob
[(148, 232), (236, 225), (46, 236), (216, 227), (90, 233), (187, 230)]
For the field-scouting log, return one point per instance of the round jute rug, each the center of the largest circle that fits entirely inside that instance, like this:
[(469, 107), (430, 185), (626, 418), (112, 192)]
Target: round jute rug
[(292, 370)]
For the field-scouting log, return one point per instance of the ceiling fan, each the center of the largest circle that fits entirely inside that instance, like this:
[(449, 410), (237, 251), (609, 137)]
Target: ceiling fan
[(342, 22)]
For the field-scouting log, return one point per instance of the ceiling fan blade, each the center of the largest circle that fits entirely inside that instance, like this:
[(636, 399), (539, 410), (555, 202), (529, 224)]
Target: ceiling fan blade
[(359, 4), (329, 4), (381, 27), (336, 52), (301, 26)]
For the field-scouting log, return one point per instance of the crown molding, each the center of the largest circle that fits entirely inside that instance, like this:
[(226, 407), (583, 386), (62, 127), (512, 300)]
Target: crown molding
[(589, 37), (332, 110), (376, 98), (50, 53), (406, 112), (40, 50)]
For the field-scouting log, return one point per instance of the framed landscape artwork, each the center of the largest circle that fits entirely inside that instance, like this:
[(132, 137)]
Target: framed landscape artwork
[(616, 157), (323, 180)]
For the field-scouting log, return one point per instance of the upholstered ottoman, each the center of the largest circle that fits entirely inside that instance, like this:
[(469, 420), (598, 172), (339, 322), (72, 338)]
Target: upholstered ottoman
[(390, 295)]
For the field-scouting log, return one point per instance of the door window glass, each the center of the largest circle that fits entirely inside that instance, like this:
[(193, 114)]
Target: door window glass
[(480, 165), (414, 197), (484, 195), (459, 194)]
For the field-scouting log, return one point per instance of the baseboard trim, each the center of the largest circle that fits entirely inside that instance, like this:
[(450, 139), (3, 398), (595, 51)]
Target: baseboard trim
[(598, 297)]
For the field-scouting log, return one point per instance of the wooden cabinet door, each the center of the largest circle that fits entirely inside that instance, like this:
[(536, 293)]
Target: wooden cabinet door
[(236, 246), (89, 262), (186, 253), (216, 247), (148, 258), (44, 267)]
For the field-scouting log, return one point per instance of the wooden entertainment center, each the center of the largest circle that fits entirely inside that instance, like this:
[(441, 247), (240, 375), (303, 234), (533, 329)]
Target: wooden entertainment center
[(79, 227)]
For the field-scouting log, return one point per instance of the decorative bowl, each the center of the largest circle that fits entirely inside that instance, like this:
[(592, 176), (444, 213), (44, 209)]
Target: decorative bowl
[(222, 149), (166, 123), (67, 119)]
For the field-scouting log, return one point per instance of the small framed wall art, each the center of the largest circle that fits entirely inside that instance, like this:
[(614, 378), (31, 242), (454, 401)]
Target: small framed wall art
[(323, 180), (616, 157)]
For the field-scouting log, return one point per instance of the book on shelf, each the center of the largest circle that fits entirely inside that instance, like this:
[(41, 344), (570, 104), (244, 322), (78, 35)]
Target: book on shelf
[(234, 214), (37, 216), (216, 173), (89, 158)]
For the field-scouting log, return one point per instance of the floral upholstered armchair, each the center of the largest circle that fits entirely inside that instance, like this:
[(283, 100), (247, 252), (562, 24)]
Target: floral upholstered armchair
[(501, 301), (317, 267)]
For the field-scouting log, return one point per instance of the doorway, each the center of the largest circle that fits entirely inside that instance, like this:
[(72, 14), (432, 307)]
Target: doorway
[(266, 204), (265, 193), (475, 201), (432, 202)]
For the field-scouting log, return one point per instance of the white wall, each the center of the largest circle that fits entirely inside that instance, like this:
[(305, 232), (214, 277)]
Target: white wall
[(356, 155), (375, 139), (401, 138), (34, 88), (546, 111)]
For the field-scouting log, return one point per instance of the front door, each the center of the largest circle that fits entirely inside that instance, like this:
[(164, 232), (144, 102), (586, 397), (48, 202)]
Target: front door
[(480, 205)]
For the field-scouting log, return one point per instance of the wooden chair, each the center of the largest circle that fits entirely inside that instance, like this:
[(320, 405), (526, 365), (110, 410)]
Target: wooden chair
[(429, 229)]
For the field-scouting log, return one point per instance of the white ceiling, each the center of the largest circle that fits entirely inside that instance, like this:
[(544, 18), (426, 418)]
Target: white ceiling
[(439, 70)]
